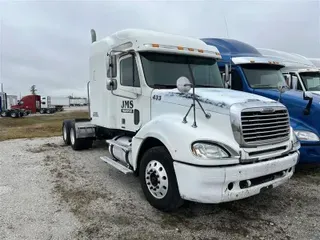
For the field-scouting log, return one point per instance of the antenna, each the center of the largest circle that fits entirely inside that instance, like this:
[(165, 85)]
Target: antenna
[(226, 23)]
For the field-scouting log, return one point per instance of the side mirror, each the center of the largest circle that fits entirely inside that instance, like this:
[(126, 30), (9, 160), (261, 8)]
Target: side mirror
[(113, 66), (294, 80), (287, 78), (226, 76), (282, 88), (111, 84), (183, 84), (307, 95)]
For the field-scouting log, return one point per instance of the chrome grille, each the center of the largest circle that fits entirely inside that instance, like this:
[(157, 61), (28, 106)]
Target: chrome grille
[(260, 127)]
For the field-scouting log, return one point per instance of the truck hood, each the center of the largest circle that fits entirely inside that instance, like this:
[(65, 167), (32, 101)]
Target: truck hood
[(212, 99), (291, 95), (316, 93)]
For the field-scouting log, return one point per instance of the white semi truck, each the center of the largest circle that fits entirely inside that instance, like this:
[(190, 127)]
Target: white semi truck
[(160, 102), (300, 72)]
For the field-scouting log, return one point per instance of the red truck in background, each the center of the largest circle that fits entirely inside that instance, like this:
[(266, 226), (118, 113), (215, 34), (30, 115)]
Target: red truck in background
[(42, 104), (30, 103)]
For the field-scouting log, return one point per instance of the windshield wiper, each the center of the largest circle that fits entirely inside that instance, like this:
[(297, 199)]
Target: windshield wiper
[(164, 86), (263, 86)]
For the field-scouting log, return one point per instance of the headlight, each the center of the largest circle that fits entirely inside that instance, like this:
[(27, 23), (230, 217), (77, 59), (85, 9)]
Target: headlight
[(296, 144), (306, 136), (208, 151)]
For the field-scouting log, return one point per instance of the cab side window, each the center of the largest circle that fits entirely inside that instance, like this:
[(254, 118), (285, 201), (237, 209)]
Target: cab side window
[(236, 81), (129, 72)]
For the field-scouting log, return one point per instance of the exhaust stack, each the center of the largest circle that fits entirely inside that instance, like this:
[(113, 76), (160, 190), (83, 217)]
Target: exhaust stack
[(93, 35), (1, 87)]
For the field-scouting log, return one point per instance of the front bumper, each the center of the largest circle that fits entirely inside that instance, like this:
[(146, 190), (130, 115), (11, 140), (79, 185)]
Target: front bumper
[(213, 184), (309, 153)]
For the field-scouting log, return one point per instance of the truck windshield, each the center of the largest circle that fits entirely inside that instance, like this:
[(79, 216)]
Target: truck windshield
[(311, 80), (163, 70), (263, 77)]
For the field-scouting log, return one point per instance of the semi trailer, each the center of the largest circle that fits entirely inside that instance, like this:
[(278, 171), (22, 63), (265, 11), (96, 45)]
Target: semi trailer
[(78, 102), (51, 104), (159, 102), (250, 71)]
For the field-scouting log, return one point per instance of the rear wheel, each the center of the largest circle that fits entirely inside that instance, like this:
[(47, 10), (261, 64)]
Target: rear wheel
[(41, 111), (3, 114), (158, 179), (66, 132), (48, 111), (79, 143), (13, 114)]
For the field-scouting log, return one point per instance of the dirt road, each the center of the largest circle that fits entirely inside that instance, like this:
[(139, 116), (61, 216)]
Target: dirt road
[(48, 191)]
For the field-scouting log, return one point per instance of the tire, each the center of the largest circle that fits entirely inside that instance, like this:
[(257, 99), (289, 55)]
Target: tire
[(158, 180), (87, 143), (3, 114), (66, 131), (78, 143), (48, 111), (41, 111), (13, 115)]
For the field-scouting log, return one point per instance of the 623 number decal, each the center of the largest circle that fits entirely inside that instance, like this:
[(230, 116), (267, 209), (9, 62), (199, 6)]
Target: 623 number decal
[(156, 97)]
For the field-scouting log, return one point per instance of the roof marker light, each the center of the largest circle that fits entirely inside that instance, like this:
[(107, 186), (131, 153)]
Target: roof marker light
[(155, 45)]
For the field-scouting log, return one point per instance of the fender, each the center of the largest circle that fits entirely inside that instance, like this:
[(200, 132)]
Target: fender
[(297, 124), (178, 137)]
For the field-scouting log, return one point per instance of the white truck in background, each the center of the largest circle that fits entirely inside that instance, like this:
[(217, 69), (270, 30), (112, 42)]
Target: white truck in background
[(78, 101), (51, 104), (159, 101), (315, 61), (300, 72)]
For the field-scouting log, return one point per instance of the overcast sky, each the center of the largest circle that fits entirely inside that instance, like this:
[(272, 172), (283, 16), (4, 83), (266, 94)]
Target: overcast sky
[(46, 43)]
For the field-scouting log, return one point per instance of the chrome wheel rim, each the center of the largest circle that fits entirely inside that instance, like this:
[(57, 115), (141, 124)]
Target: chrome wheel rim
[(156, 179), (72, 136)]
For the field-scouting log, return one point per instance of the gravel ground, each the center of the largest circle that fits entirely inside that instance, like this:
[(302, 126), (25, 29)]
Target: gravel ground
[(48, 191)]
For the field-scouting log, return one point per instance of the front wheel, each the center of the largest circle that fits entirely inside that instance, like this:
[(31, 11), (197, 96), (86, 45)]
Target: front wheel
[(158, 179)]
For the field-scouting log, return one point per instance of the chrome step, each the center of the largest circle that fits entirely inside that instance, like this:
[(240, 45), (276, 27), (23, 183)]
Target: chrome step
[(116, 164)]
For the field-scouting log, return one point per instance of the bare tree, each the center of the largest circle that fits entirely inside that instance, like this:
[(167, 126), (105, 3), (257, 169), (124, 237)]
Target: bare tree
[(33, 90)]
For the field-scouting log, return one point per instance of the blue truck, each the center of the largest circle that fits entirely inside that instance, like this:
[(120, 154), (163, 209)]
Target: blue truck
[(5, 110), (246, 69)]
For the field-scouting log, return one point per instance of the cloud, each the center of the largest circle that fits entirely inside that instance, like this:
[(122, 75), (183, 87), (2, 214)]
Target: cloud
[(46, 43)]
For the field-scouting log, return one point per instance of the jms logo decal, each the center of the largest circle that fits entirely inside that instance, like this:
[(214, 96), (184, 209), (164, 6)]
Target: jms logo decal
[(127, 106)]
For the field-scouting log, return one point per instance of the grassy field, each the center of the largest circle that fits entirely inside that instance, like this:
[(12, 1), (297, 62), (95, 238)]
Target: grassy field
[(36, 126)]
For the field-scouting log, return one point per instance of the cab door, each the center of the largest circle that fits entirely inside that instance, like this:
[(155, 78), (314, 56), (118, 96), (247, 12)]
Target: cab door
[(129, 100)]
